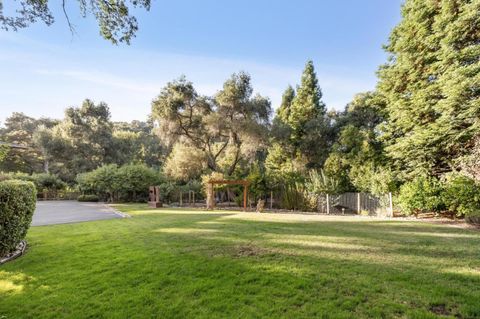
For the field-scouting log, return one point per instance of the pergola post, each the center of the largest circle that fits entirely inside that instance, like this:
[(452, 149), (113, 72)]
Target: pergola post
[(245, 189)]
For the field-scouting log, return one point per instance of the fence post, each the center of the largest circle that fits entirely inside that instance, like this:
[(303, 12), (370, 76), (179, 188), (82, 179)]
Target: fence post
[(181, 197), (271, 199), (193, 198), (391, 204), (358, 204), (328, 205)]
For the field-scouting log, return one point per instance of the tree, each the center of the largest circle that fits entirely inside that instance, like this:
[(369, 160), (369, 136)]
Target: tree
[(19, 129), (307, 104), (184, 163), (301, 131), (82, 141), (115, 22), (431, 86), (228, 128), (136, 142), (357, 153)]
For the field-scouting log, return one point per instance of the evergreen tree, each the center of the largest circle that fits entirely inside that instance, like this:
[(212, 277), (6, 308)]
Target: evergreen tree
[(431, 85), (307, 104), (301, 132), (283, 112)]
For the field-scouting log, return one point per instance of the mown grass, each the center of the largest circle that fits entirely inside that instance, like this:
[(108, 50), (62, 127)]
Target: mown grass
[(171, 263)]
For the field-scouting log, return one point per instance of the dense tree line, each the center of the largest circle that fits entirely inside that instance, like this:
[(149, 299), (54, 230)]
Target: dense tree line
[(417, 133), (83, 140)]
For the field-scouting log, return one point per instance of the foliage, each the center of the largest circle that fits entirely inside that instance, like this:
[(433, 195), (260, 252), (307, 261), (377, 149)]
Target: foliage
[(321, 183), (421, 195), (134, 181), (375, 180), (115, 22), (293, 196), (88, 198), (136, 142), (461, 195), (430, 86), (19, 129), (184, 163), (42, 181), (125, 183), (301, 128), (227, 129), (470, 163), (4, 149), (357, 150), (17, 204), (258, 187)]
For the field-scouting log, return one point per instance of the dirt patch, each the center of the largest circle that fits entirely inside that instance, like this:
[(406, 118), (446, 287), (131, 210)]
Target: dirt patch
[(440, 309), (248, 251)]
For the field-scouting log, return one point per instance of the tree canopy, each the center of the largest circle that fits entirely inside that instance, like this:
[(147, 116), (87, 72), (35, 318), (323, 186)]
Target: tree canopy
[(227, 128), (115, 22)]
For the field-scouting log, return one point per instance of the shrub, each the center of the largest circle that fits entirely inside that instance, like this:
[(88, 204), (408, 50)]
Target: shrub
[(461, 195), (17, 204), (42, 181), (88, 198), (127, 183), (421, 195), (473, 218)]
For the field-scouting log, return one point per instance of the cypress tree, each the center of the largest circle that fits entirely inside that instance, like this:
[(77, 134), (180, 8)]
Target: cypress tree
[(307, 104)]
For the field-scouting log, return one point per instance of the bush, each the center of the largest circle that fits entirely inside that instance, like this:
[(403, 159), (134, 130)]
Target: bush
[(42, 181), (421, 195), (113, 183), (473, 218), (88, 198), (461, 195), (17, 204)]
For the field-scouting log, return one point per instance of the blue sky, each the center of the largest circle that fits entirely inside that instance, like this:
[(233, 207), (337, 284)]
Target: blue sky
[(45, 69)]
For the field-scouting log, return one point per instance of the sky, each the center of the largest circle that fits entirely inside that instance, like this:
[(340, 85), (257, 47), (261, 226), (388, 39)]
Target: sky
[(44, 69)]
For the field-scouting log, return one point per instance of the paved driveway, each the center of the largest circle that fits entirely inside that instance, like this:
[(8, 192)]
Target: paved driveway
[(62, 212)]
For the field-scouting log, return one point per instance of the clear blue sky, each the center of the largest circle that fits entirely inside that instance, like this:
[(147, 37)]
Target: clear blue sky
[(45, 69)]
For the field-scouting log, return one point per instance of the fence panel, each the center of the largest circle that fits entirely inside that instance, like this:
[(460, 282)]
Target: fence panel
[(353, 203)]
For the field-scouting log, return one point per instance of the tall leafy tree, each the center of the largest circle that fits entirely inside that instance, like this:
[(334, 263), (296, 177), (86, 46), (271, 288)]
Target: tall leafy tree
[(431, 85), (228, 128), (19, 129), (82, 141)]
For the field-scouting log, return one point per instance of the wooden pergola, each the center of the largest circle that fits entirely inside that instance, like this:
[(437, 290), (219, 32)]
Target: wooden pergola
[(211, 199)]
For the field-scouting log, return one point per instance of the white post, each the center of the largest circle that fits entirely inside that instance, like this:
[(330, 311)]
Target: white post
[(328, 205), (358, 204), (391, 204)]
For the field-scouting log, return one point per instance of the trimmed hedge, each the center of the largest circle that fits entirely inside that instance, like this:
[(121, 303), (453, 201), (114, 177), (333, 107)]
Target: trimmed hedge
[(17, 204), (87, 198)]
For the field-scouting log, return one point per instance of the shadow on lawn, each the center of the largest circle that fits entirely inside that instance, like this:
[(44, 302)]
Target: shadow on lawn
[(210, 264)]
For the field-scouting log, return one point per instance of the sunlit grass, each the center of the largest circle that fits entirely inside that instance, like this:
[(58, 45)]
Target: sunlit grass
[(172, 263)]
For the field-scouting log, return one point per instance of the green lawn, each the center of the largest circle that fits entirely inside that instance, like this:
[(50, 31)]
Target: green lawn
[(186, 264)]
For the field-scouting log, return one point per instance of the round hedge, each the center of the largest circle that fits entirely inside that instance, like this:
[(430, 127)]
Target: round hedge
[(17, 204)]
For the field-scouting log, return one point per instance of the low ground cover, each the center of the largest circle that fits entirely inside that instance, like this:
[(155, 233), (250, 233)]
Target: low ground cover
[(193, 263)]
